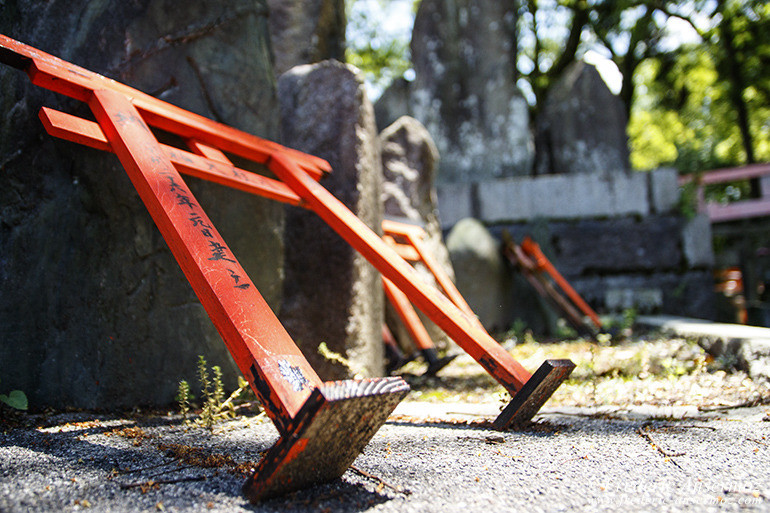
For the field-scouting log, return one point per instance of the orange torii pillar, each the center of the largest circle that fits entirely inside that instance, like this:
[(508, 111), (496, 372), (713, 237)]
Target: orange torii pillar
[(323, 426), (297, 184)]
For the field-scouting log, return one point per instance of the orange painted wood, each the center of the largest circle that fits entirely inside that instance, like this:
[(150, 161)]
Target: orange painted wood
[(415, 237), (72, 128), (532, 249), (63, 77), (408, 315), (405, 251), (260, 346), (388, 339), (463, 329), (88, 133), (546, 288), (441, 277), (207, 151)]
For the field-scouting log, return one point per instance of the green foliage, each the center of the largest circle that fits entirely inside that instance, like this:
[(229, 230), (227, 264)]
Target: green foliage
[(688, 200), (203, 377), (183, 397), (380, 55), (629, 318), (16, 399), (708, 101), (683, 116), (214, 408)]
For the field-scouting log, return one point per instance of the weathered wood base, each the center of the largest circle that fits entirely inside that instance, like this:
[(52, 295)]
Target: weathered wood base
[(328, 433), (533, 395)]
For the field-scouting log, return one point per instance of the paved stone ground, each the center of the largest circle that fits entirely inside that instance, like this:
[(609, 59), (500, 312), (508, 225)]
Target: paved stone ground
[(428, 457)]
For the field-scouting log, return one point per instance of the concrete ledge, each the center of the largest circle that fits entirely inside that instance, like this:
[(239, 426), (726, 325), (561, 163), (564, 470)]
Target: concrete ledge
[(454, 203), (745, 347), (577, 196), (564, 197)]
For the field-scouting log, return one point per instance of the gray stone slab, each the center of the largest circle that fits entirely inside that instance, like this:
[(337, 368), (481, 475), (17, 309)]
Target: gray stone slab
[(482, 276), (697, 242), (465, 91), (664, 190), (563, 197), (454, 203), (409, 161), (332, 293), (581, 126)]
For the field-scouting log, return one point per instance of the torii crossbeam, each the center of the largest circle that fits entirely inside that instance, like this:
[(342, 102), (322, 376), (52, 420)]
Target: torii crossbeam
[(323, 426)]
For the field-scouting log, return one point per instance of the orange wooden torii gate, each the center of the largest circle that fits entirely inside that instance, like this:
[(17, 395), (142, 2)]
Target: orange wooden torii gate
[(323, 426)]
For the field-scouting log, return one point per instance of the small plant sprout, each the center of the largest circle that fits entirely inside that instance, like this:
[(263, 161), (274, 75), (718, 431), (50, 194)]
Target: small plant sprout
[(332, 356), (183, 398), (16, 399), (214, 407)]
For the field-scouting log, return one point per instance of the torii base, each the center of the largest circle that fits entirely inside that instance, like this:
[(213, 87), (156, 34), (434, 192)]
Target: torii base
[(533, 395), (328, 433)]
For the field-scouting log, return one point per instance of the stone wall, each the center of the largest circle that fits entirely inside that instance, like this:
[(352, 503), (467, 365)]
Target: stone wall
[(618, 239), (575, 196)]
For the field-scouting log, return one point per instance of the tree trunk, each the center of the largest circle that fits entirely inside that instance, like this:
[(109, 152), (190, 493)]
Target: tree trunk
[(736, 83)]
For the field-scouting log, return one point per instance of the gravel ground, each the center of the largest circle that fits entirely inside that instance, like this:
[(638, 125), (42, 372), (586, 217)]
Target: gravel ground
[(643, 427), (423, 459)]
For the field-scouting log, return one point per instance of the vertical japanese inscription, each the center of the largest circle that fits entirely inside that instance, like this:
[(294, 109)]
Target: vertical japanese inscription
[(218, 250)]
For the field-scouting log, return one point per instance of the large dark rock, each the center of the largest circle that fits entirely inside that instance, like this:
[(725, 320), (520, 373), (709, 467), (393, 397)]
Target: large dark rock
[(465, 91), (582, 126), (304, 32), (331, 292), (94, 310)]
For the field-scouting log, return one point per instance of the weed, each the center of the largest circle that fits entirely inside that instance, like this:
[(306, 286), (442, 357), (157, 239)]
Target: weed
[(183, 397), (16, 399), (214, 407), (688, 200), (332, 356)]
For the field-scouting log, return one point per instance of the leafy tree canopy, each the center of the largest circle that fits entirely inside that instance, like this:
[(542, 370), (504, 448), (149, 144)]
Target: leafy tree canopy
[(694, 102)]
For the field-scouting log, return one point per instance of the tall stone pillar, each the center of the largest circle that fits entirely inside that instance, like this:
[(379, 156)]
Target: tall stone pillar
[(332, 294), (464, 91)]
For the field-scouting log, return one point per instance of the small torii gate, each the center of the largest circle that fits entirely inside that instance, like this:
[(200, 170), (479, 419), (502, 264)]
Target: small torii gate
[(323, 426)]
